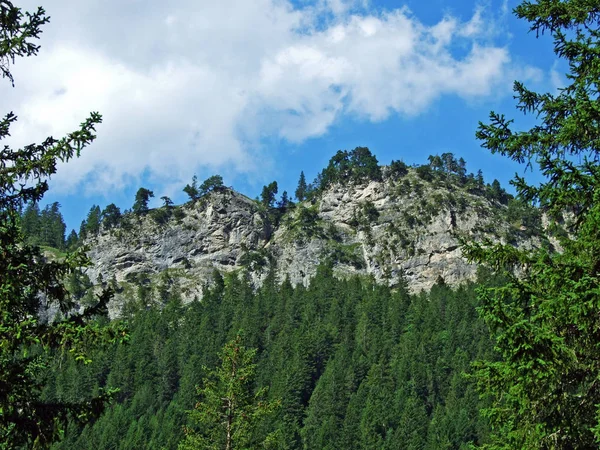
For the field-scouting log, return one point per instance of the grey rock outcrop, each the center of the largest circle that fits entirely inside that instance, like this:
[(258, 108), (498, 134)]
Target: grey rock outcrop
[(387, 229)]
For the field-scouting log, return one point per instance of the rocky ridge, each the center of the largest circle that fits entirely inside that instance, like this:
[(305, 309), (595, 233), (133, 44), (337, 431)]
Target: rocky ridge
[(394, 229)]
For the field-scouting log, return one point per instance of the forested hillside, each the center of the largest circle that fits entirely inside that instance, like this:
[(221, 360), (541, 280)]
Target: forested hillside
[(347, 361), (352, 363)]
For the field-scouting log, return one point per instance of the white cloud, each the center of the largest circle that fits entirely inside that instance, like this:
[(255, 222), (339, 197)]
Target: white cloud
[(557, 80), (190, 84)]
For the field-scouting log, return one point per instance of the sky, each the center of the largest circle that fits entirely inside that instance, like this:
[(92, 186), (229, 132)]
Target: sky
[(258, 90)]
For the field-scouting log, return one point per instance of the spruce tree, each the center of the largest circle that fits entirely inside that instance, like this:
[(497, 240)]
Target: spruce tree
[(544, 389), (228, 408), (30, 223), (72, 241), (93, 221), (27, 281), (301, 189)]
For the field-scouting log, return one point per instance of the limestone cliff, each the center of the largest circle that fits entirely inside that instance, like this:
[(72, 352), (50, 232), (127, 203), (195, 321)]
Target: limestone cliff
[(389, 229)]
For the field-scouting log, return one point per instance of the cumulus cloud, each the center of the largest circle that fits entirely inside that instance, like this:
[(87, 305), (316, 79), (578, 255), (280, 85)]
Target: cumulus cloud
[(189, 84)]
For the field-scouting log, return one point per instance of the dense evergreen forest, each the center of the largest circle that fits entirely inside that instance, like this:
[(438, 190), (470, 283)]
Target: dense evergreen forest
[(352, 363)]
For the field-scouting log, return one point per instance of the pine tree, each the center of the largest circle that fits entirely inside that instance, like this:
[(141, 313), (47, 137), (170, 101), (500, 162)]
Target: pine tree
[(192, 189), (142, 196), (544, 390), (267, 196), (111, 216), (212, 183)]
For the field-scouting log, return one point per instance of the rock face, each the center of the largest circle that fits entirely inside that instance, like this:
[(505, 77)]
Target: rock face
[(388, 229)]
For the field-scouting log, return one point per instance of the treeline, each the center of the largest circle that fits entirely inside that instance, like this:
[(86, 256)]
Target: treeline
[(360, 165), (44, 227), (47, 227), (352, 364)]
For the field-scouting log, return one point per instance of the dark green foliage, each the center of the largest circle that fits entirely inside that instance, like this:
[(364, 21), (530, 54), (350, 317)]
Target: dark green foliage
[(162, 215), (365, 215), (369, 212), (212, 183), (28, 419), (305, 222), (30, 222), (82, 230), (497, 193), (425, 172), (447, 169), (45, 227), (267, 196), (363, 165), (167, 202), (78, 284), (142, 196), (18, 35), (355, 365), (93, 221), (254, 260), (544, 389), (301, 190), (346, 254), (461, 170), (111, 216), (524, 215), (178, 214), (72, 241), (398, 169), (355, 166), (284, 203), (192, 190)]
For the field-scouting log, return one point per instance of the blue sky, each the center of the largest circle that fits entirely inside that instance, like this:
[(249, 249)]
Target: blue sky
[(260, 90)]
